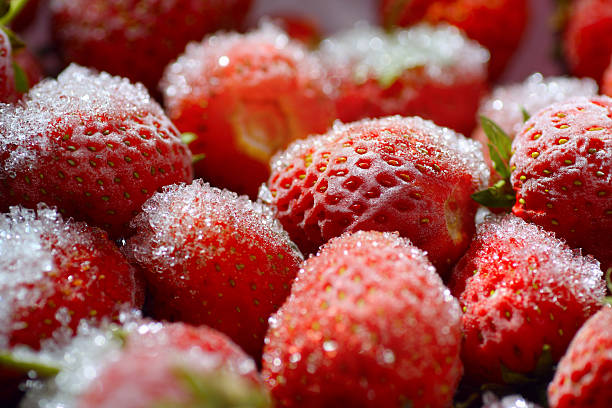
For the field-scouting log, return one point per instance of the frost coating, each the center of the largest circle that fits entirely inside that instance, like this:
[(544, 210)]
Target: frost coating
[(183, 78), (26, 256), (78, 93), (504, 106), (169, 222), (443, 51)]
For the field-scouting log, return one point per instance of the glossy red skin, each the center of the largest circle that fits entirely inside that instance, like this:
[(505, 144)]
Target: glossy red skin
[(496, 24), (345, 191), (506, 318), (148, 370), (410, 96), (606, 86), (27, 15), (357, 293), (109, 192), (141, 57), (263, 87), (588, 38), (573, 199), (92, 282), (584, 375), (300, 27), (8, 93)]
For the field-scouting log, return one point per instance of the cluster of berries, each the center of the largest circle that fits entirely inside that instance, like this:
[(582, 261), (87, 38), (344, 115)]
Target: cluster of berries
[(381, 260)]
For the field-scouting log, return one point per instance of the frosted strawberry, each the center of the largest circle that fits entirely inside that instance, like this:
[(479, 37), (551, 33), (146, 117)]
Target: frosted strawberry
[(407, 72), (244, 97), (390, 174), (562, 171), (588, 38), (138, 38), (524, 294), (355, 332), (144, 364), (211, 257), (93, 145), (496, 24), (509, 105), (584, 375), (53, 273)]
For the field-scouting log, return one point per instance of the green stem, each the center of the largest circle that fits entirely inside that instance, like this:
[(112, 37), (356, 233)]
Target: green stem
[(42, 370), (14, 10)]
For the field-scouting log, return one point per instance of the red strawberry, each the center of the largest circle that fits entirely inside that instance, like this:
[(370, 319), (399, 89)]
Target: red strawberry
[(496, 24), (390, 174), (584, 375), (54, 273), (8, 92), (509, 105), (588, 38), (138, 38), (407, 72), (93, 145), (26, 16), (244, 97), (562, 173), (523, 292), (355, 332), (30, 66), (211, 257), (178, 365)]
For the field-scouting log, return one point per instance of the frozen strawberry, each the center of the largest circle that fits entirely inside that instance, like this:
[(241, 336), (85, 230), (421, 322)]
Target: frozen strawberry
[(93, 145), (53, 273), (244, 97), (368, 324), (143, 364), (138, 38), (496, 24), (211, 257), (588, 38), (584, 375), (389, 174), (435, 73), (524, 294), (509, 105), (562, 173), (179, 365)]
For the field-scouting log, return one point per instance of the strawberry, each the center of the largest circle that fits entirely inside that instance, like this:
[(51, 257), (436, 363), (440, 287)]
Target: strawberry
[(142, 364), (53, 273), (355, 332), (524, 294), (562, 172), (31, 67), (509, 106), (496, 24), (93, 145), (587, 38), (584, 375), (389, 174), (211, 257), (243, 97), (138, 38), (27, 15), (407, 72), (178, 365)]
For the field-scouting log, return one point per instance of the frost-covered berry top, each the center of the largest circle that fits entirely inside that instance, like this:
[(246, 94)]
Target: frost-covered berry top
[(442, 51)]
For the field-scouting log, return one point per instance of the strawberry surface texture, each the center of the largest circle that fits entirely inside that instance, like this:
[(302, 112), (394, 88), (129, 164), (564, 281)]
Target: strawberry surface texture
[(211, 257), (94, 145), (356, 332), (389, 174)]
